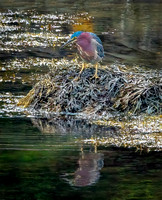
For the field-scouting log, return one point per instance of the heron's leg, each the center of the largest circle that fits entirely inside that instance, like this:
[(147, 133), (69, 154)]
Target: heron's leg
[(83, 66), (95, 75)]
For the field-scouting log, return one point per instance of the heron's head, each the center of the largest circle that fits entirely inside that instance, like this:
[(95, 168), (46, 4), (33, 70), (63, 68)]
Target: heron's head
[(73, 38)]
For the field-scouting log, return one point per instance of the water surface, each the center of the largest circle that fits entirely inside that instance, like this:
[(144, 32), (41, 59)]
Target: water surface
[(48, 164)]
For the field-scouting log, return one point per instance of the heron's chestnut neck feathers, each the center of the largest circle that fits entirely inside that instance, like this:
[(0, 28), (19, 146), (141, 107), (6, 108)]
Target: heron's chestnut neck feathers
[(84, 40)]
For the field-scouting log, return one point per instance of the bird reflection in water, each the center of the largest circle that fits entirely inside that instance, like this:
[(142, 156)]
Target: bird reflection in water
[(88, 171), (90, 162)]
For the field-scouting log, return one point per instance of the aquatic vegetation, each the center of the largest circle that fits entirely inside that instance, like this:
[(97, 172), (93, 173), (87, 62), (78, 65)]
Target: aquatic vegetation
[(141, 132), (114, 91), (121, 98)]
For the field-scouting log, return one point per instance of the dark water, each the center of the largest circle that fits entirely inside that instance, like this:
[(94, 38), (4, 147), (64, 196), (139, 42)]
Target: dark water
[(47, 160), (50, 165)]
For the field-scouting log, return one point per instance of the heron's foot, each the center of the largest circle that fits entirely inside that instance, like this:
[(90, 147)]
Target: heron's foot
[(95, 76), (77, 78)]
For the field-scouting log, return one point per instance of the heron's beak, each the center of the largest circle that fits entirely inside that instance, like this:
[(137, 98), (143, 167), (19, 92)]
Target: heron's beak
[(68, 42)]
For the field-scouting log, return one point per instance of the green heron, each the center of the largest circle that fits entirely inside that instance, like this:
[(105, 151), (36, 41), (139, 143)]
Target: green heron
[(89, 47)]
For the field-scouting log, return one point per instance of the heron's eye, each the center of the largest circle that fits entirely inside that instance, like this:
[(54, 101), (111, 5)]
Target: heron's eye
[(74, 38)]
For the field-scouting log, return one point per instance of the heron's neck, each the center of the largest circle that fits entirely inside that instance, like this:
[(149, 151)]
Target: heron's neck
[(85, 43)]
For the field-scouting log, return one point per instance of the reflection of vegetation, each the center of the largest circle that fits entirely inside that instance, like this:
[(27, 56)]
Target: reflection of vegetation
[(77, 128), (142, 133)]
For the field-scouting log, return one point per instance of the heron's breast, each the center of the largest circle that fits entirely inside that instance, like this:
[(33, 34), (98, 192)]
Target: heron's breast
[(86, 50)]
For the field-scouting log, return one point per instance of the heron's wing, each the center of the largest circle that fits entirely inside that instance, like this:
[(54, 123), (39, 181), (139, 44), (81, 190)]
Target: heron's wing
[(100, 51), (96, 37), (98, 42)]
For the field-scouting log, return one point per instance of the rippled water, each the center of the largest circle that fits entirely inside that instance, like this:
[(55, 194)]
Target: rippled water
[(46, 159)]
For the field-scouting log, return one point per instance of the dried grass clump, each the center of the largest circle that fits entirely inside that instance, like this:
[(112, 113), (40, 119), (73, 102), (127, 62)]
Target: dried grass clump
[(141, 94), (115, 90)]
